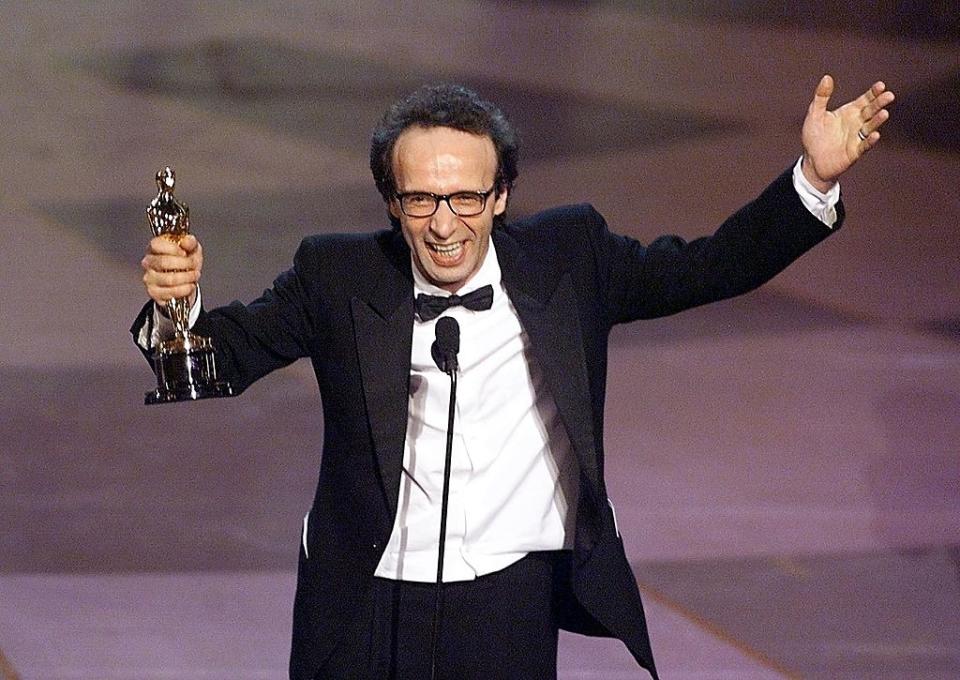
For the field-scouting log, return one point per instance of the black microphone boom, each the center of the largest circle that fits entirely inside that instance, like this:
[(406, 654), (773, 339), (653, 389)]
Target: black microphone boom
[(444, 351)]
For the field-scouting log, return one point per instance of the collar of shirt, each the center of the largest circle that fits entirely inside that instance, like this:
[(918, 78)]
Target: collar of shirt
[(489, 273)]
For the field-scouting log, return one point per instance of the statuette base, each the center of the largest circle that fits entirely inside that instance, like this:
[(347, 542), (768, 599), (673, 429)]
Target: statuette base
[(186, 371)]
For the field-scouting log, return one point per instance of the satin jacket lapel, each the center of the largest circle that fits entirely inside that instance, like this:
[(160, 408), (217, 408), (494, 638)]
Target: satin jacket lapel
[(547, 309), (383, 329)]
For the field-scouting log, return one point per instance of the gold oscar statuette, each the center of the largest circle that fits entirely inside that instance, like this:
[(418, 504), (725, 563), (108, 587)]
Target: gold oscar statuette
[(184, 364)]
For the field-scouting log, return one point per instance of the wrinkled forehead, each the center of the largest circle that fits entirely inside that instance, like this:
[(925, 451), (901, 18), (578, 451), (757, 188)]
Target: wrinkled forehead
[(439, 152)]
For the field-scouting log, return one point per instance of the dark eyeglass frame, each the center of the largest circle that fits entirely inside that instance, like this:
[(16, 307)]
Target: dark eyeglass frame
[(437, 198)]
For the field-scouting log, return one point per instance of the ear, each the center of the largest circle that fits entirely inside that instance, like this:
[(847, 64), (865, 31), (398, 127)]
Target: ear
[(394, 208), (500, 205)]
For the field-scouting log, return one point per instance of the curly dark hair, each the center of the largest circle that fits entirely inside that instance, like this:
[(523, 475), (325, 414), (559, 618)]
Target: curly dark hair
[(444, 105)]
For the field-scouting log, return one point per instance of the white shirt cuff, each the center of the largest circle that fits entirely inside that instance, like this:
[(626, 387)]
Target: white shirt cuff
[(161, 327), (823, 206)]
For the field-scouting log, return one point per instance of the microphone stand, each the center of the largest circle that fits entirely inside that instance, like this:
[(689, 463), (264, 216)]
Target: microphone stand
[(449, 367)]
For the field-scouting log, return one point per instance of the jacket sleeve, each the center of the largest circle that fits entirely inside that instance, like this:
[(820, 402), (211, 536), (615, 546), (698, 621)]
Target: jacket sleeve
[(671, 274), (272, 331)]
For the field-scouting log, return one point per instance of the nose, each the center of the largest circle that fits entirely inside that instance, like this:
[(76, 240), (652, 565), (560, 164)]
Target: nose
[(443, 224)]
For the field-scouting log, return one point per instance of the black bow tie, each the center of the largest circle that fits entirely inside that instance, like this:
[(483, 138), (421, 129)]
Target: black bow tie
[(431, 306)]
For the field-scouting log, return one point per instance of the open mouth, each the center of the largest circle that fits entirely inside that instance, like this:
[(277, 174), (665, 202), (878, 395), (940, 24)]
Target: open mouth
[(446, 254)]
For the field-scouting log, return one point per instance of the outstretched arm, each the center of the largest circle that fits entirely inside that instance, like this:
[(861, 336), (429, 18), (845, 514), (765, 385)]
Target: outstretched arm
[(834, 140)]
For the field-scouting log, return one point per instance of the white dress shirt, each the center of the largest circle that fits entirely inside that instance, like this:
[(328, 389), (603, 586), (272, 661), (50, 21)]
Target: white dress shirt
[(514, 479)]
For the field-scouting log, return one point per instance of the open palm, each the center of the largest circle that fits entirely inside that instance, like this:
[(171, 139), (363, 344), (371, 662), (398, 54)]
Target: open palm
[(835, 140)]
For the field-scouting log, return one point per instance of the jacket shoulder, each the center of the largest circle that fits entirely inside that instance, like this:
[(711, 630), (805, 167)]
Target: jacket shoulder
[(558, 229), (324, 245), (560, 217), (343, 252)]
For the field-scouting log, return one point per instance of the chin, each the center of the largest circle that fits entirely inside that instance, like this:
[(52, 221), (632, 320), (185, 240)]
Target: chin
[(448, 280), (443, 276)]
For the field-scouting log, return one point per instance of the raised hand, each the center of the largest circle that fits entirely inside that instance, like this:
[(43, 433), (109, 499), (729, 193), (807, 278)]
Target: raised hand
[(835, 140)]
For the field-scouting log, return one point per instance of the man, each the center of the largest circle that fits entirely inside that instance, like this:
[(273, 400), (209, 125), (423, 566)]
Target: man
[(532, 542)]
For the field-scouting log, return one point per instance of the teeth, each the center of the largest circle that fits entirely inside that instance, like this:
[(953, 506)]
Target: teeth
[(445, 250)]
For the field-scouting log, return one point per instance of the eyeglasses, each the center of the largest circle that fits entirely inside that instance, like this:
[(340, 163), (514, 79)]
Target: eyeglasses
[(461, 203)]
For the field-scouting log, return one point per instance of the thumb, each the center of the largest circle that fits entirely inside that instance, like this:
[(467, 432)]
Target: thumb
[(189, 243), (822, 94)]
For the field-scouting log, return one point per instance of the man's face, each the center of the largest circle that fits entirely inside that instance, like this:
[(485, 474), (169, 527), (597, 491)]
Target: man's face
[(447, 249)]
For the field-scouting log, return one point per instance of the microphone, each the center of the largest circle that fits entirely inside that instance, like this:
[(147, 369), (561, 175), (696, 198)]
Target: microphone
[(445, 348), (444, 352)]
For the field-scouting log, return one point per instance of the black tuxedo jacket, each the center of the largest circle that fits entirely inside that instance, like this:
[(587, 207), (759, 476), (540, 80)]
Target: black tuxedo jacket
[(347, 304)]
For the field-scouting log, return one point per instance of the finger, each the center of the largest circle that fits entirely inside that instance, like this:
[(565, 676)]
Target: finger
[(189, 243), (881, 102), (197, 256), (161, 245), (193, 250), (169, 285), (875, 122), (871, 94), (822, 94), (161, 294), (868, 143), (157, 279), (168, 263)]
